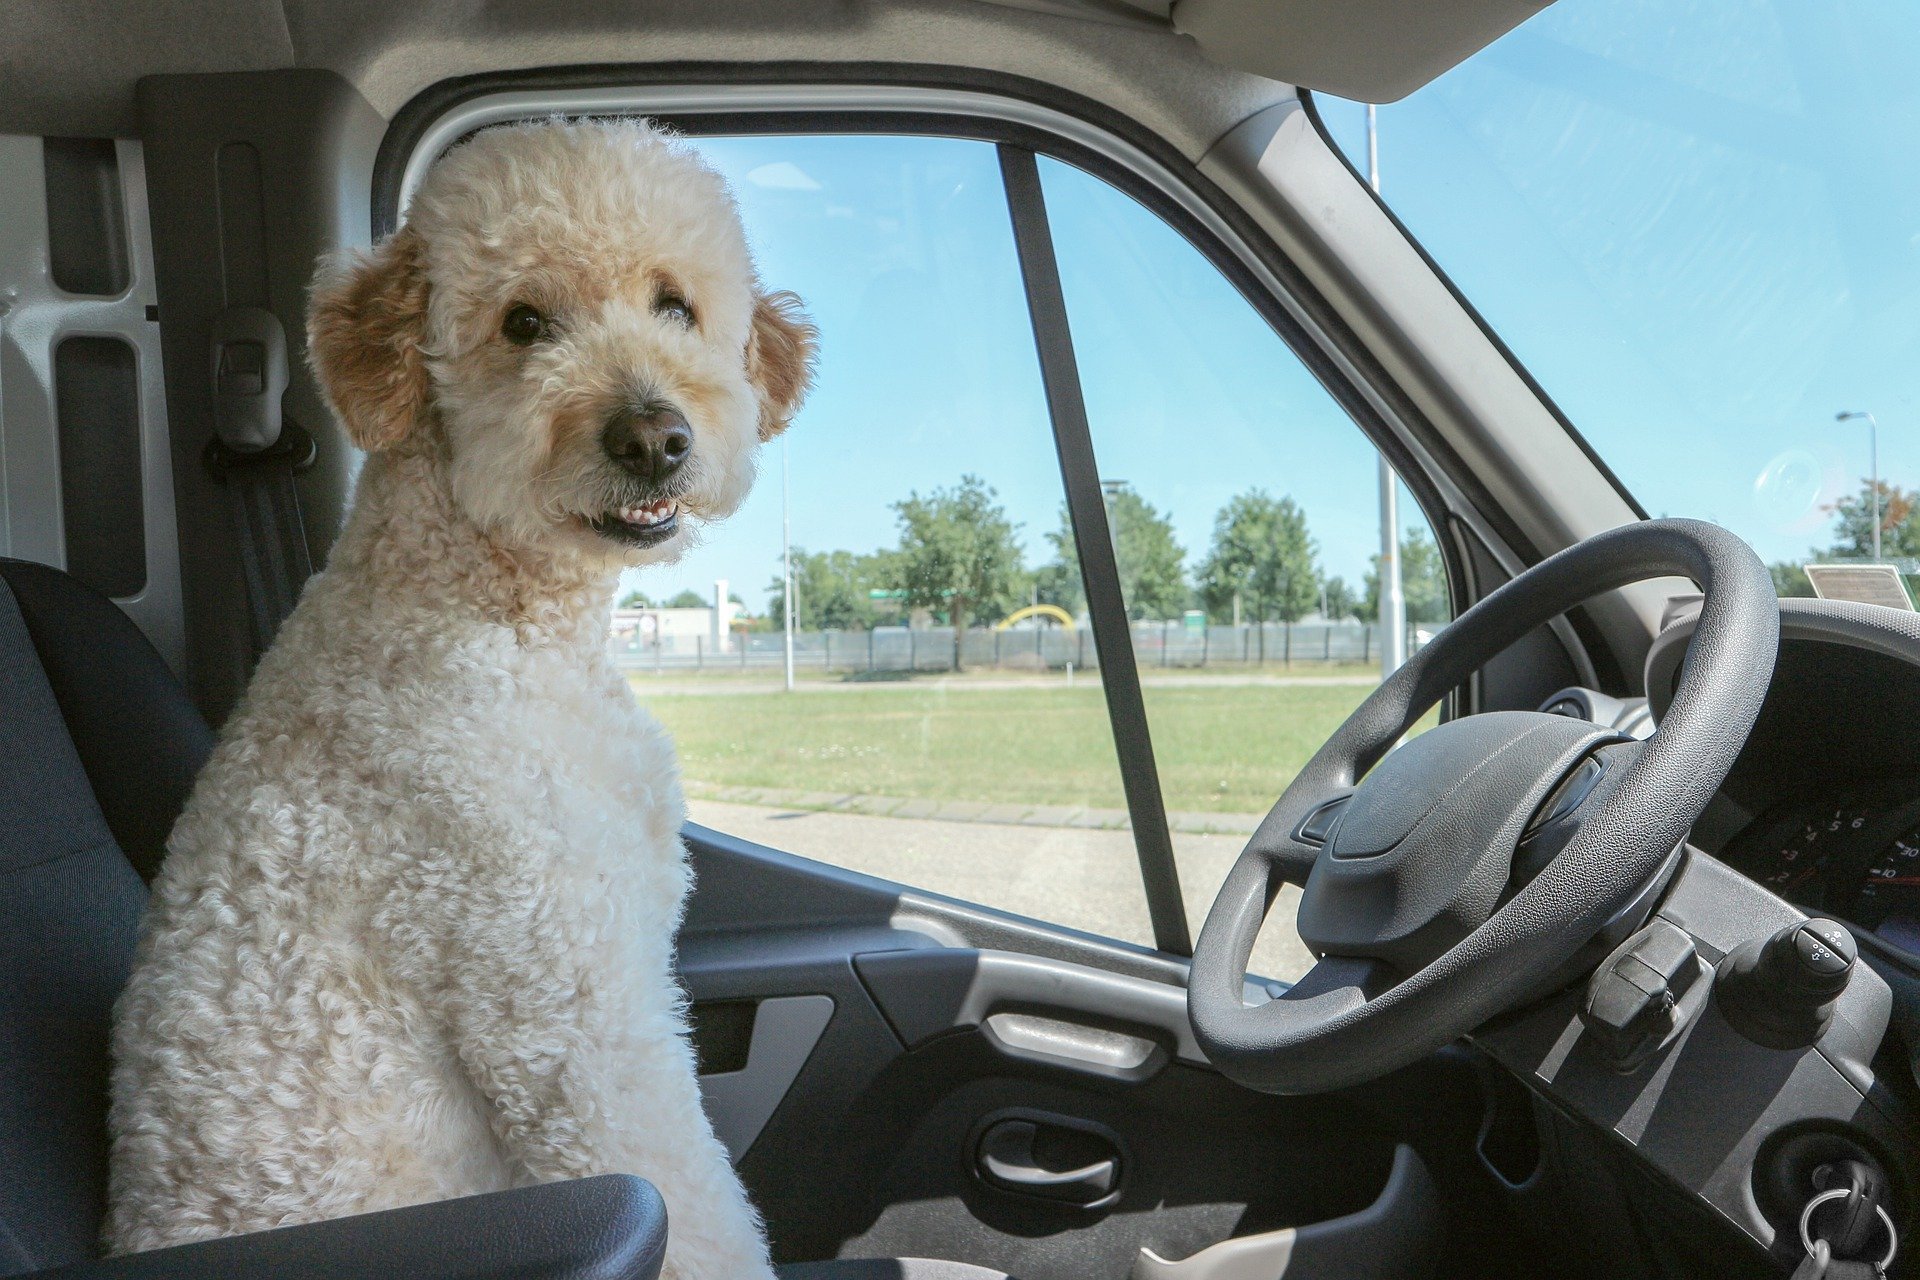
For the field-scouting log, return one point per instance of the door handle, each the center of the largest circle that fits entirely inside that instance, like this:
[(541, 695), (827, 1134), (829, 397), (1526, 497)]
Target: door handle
[(1006, 1157)]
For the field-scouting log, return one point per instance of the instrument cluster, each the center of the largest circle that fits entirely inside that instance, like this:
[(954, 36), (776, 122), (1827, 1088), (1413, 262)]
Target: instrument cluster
[(1855, 854)]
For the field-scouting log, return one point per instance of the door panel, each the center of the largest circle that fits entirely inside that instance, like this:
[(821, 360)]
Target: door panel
[(947, 1019)]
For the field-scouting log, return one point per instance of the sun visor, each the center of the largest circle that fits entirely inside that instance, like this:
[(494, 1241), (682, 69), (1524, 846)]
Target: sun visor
[(1366, 50)]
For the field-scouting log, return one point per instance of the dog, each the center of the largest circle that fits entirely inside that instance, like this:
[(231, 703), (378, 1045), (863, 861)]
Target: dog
[(413, 937)]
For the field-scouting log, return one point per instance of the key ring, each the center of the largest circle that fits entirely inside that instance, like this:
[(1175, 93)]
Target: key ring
[(1841, 1193)]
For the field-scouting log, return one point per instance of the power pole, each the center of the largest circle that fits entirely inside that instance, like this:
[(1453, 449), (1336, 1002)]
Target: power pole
[(1873, 479), (1393, 599), (786, 551)]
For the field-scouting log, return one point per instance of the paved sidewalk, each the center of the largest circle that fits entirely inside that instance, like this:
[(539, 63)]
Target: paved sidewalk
[(678, 682), (1086, 877), (1019, 815)]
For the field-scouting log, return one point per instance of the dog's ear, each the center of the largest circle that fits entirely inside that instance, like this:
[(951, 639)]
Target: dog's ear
[(780, 354), (365, 326)]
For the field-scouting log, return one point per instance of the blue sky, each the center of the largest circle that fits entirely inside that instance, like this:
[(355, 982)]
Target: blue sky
[(902, 250), (1698, 226)]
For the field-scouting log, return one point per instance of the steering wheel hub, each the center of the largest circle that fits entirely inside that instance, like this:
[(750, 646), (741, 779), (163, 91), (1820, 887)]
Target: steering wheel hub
[(1425, 848)]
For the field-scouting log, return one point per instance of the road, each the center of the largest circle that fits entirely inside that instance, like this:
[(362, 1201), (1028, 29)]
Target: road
[(1088, 879)]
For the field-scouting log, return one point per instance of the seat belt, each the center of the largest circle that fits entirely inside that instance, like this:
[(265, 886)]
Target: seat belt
[(254, 454)]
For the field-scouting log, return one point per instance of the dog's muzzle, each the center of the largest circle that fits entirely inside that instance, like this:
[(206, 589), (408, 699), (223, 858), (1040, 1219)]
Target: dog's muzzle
[(648, 441)]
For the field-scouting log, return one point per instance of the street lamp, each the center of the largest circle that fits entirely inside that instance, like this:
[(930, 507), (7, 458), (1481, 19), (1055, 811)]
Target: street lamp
[(1109, 490), (1392, 598), (786, 554), (1873, 449)]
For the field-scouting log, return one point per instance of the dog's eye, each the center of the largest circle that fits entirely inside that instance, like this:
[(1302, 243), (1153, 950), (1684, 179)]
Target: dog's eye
[(523, 325), (673, 307)]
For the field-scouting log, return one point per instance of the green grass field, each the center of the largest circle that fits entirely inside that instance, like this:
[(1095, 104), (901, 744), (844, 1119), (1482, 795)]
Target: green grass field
[(1228, 749)]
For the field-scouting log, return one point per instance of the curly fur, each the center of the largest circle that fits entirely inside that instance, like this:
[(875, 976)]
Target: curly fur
[(413, 936)]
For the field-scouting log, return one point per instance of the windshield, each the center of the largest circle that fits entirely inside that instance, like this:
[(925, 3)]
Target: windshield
[(1698, 227)]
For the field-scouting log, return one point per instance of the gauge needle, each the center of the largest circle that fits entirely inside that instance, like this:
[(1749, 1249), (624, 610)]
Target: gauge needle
[(1802, 878), (1895, 879)]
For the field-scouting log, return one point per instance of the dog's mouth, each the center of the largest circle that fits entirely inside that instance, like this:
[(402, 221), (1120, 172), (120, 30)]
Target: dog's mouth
[(645, 525)]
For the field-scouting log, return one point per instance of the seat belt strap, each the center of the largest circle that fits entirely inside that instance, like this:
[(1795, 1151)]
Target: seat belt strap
[(255, 453)]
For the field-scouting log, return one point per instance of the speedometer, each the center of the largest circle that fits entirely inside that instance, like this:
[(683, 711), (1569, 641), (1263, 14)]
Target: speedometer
[(1790, 862), (1889, 899)]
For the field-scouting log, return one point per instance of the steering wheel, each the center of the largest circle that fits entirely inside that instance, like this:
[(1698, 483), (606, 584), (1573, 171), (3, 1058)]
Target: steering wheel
[(1483, 854)]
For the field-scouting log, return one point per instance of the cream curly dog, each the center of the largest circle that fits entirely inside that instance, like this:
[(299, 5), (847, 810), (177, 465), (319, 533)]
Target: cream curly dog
[(413, 937)]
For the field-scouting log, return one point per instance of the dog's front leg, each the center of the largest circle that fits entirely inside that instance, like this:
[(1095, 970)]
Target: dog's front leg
[(585, 1066)]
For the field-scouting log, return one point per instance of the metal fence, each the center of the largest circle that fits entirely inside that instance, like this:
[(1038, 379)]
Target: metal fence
[(931, 649)]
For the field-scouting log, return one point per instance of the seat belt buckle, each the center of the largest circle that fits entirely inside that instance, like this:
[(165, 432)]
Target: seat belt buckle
[(249, 377), (249, 349)]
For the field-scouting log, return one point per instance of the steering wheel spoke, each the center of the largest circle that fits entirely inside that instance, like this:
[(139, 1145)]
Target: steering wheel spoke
[(1297, 828), (1482, 854)]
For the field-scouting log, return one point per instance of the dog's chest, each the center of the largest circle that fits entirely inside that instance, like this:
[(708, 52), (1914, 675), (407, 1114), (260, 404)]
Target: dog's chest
[(615, 799)]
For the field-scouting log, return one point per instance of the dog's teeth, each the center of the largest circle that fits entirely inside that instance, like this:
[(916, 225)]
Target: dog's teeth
[(652, 513)]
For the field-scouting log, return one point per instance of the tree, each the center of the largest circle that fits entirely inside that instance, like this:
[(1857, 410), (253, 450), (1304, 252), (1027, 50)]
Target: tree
[(1789, 579), (1899, 523), (832, 588), (958, 553), (1058, 581), (1153, 577), (1263, 554), (687, 599), (1340, 600), (636, 600), (1423, 582)]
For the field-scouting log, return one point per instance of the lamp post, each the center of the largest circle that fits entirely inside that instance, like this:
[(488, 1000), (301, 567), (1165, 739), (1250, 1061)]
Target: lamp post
[(1873, 453), (1393, 599), (786, 552), (1109, 490)]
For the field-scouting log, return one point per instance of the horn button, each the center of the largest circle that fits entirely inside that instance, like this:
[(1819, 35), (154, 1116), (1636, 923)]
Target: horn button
[(1422, 852)]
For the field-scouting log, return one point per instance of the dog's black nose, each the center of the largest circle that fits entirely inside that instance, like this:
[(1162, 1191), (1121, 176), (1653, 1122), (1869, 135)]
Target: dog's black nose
[(651, 441)]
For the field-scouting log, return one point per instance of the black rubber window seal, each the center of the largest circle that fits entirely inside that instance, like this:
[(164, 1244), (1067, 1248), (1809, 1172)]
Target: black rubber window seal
[(1099, 568)]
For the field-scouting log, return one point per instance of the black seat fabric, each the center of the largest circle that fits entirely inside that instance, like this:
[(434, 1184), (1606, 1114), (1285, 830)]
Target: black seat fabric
[(70, 901), (139, 737), (887, 1269)]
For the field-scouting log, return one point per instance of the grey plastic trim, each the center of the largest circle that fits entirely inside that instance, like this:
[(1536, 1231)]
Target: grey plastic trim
[(786, 1030), (1890, 633), (1397, 1237), (928, 992), (35, 317), (1704, 1107), (1039, 1036), (1629, 715)]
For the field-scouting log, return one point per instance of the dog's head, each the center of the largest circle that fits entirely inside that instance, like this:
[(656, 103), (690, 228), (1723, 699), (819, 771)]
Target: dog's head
[(572, 315)]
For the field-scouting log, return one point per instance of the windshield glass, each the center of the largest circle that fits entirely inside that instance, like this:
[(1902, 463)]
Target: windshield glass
[(1698, 227)]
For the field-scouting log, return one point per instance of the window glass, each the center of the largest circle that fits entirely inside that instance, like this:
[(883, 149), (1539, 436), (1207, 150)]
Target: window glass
[(1696, 226), (923, 486), (1245, 511)]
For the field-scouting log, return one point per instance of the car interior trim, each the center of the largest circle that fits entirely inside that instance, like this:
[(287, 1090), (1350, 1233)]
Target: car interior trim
[(38, 316)]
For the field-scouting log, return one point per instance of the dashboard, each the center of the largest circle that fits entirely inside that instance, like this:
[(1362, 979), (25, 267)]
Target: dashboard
[(1823, 805), (1820, 813)]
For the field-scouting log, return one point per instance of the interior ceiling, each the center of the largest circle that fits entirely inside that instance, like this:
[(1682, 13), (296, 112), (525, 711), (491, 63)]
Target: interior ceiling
[(1189, 69)]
